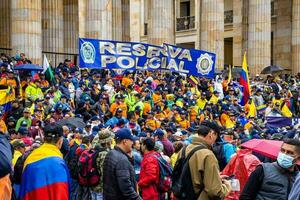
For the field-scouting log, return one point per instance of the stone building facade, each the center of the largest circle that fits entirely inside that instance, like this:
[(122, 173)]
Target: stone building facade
[(268, 30)]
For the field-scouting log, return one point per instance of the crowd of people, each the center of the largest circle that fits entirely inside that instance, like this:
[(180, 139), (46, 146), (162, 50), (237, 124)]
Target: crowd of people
[(152, 135)]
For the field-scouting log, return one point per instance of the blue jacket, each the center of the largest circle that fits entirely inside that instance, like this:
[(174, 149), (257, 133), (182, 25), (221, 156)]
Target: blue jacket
[(5, 155)]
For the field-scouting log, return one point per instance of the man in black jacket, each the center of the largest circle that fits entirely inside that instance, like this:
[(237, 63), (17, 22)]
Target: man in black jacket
[(118, 173)]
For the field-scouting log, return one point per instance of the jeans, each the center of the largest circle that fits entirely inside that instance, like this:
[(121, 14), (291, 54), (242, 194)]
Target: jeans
[(96, 196)]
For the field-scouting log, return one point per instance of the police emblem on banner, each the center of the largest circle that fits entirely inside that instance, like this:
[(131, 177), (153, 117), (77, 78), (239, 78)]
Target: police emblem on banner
[(88, 52), (204, 64)]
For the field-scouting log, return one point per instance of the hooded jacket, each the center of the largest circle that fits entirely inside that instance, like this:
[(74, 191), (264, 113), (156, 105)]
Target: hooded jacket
[(205, 172)]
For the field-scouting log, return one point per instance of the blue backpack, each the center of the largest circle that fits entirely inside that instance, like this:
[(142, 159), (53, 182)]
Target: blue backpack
[(165, 173)]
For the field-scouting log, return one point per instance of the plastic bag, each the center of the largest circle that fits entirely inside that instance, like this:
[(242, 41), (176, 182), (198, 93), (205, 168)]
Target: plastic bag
[(241, 166)]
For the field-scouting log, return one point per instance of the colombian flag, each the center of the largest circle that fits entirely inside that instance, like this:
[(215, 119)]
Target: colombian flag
[(45, 175), (6, 97), (244, 81)]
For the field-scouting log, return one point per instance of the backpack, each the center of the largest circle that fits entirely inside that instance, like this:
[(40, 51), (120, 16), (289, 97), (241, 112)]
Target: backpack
[(165, 173), (182, 185), (218, 150), (72, 161), (87, 168)]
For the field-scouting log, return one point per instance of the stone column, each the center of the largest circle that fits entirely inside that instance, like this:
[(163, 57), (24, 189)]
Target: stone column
[(212, 29), (26, 33), (259, 35), (117, 20), (135, 20), (198, 24), (5, 26), (82, 17), (161, 22), (52, 28), (71, 27), (237, 32), (282, 35), (296, 37), (99, 19), (126, 20)]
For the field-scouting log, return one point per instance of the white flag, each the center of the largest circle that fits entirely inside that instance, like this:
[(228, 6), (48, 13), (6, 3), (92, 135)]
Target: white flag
[(45, 64)]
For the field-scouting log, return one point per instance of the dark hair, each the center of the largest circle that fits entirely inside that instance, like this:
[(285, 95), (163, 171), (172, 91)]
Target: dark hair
[(178, 146), (52, 133), (203, 130), (86, 140), (149, 143), (293, 142)]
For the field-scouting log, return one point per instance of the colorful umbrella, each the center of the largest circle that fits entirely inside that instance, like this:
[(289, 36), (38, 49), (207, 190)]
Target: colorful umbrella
[(268, 148), (29, 67)]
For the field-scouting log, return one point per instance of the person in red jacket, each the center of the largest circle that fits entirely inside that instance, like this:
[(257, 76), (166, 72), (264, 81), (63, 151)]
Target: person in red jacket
[(149, 174)]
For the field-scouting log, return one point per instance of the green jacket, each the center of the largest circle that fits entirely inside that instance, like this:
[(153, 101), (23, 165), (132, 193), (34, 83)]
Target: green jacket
[(28, 122), (33, 92)]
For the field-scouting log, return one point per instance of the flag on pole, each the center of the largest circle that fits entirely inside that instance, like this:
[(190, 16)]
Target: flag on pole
[(244, 81), (47, 70), (229, 74)]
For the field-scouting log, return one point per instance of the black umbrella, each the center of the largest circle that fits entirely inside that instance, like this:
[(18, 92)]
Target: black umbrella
[(272, 69), (74, 122)]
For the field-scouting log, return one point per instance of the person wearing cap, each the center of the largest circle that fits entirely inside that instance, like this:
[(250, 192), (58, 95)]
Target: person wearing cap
[(16, 110), (103, 141), (11, 81), (33, 91), (115, 119), (202, 101), (26, 118), (44, 83), (119, 103), (147, 105), (151, 122), (45, 172), (19, 150), (157, 97), (118, 173), (231, 121), (203, 165), (184, 122), (161, 135), (214, 98)]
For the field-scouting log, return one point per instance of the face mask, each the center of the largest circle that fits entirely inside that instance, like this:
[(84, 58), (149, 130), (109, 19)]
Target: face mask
[(285, 161)]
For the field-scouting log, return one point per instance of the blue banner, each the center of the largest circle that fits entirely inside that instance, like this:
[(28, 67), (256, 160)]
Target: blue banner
[(107, 54), (190, 61), (278, 122)]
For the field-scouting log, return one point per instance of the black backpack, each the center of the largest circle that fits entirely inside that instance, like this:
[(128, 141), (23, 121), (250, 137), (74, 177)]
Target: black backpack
[(182, 185), (218, 150)]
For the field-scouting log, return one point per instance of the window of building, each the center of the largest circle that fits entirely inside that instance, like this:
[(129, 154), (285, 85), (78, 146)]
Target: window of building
[(185, 9)]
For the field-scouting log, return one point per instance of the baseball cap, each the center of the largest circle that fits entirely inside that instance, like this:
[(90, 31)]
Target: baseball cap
[(52, 130), (125, 133), (78, 130), (26, 110), (23, 131), (119, 110), (158, 132)]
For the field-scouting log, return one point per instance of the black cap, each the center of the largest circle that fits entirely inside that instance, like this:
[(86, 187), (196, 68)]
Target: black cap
[(51, 130)]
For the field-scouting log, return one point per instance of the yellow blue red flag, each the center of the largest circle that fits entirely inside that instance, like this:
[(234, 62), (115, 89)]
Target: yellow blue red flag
[(244, 81), (45, 175)]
